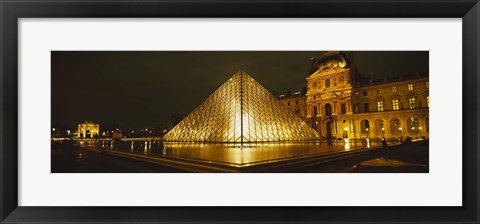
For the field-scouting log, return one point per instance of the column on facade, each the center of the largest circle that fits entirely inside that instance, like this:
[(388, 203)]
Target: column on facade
[(335, 107), (403, 124), (349, 105), (386, 126)]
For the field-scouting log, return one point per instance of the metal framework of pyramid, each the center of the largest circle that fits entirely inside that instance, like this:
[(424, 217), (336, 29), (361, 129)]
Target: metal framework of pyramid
[(241, 110)]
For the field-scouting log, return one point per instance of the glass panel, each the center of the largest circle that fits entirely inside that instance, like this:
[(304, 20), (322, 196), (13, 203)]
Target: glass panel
[(241, 110)]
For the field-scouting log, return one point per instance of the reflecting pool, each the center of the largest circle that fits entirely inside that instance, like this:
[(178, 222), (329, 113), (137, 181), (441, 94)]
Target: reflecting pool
[(246, 153)]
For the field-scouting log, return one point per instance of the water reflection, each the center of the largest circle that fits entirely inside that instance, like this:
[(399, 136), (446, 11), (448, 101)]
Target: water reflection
[(347, 144), (237, 153)]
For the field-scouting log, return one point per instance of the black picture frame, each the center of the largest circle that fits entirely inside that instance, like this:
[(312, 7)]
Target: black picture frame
[(11, 11)]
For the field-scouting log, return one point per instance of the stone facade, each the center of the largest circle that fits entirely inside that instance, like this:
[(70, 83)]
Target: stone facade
[(342, 103), (297, 102), (88, 130)]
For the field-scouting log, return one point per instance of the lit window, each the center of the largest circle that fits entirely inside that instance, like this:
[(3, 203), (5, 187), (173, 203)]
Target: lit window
[(327, 83), (427, 85), (379, 91), (341, 80), (380, 105), (411, 103), (413, 125), (428, 101), (410, 87), (395, 104), (394, 89), (314, 84)]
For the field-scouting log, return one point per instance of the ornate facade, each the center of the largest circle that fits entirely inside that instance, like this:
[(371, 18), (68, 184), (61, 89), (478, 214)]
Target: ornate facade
[(342, 103), (297, 102)]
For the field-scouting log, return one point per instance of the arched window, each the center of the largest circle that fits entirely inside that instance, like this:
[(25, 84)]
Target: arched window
[(412, 125), (328, 109), (365, 126), (327, 83), (380, 126), (395, 125)]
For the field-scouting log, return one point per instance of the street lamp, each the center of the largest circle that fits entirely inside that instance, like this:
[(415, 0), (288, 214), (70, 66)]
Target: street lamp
[(383, 132)]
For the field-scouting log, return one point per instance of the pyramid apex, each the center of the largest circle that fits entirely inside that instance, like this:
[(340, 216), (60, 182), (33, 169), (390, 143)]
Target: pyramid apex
[(242, 71)]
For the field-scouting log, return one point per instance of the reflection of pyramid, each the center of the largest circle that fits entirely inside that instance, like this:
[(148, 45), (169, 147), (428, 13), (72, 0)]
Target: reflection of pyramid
[(241, 110)]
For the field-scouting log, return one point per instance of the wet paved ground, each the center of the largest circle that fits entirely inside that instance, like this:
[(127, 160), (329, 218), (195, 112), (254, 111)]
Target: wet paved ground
[(398, 159), (69, 159), (406, 158)]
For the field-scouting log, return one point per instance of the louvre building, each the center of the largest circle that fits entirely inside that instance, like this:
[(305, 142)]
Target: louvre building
[(341, 102), (241, 110)]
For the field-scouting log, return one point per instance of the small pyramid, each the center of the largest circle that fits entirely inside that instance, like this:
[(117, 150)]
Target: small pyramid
[(241, 110)]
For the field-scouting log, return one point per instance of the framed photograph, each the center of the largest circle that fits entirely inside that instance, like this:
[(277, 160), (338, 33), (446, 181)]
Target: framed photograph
[(225, 111)]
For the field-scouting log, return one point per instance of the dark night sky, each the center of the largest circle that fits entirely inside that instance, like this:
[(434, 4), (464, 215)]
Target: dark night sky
[(142, 89)]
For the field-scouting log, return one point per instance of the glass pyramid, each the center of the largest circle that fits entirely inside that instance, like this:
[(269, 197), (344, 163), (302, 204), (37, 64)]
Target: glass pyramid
[(241, 110)]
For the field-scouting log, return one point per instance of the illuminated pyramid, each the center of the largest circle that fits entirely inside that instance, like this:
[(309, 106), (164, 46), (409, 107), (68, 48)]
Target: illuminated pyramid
[(241, 110)]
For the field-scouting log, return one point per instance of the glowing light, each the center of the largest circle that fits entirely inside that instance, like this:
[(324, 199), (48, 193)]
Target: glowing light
[(347, 144), (53, 129), (420, 128), (345, 129), (241, 110)]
